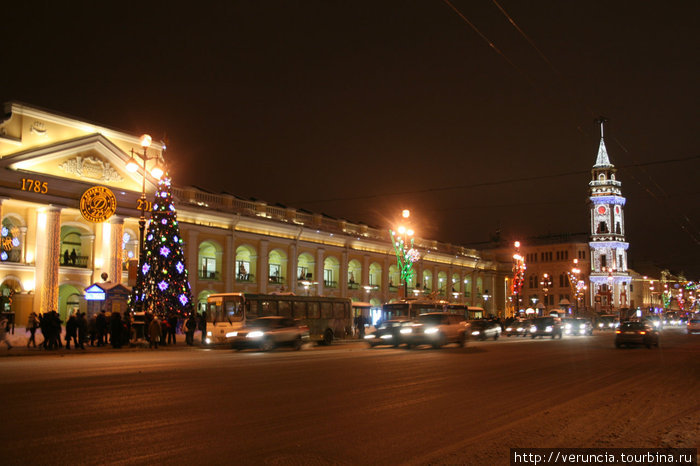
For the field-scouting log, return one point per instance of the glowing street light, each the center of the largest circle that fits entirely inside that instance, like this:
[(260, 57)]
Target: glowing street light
[(406, 254)]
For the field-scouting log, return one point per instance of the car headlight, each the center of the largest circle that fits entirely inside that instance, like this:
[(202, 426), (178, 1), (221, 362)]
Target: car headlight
[(406, 331), (568, 326), (387, 336), (509, 329), (209, 333), (208, 341), (231, 334), (371, 335), (475, 332), (255, 334), (548, 328), (533, 328), (600, 325), (431, 330)]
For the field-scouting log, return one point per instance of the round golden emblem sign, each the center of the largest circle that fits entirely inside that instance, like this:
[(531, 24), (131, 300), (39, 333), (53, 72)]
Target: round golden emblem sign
[(98, 204)]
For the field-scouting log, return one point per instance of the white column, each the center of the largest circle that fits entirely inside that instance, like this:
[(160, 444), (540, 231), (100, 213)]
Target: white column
[(47, 259), (263, 272), (292, 276), (192, 248), (343, 279), (230, 262), (319, 270), (114, 268)]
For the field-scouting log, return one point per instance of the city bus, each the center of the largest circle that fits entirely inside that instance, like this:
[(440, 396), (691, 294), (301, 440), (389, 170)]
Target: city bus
[(327, 318), (412, 308)]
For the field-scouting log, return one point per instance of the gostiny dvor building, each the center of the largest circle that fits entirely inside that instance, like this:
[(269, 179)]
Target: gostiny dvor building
[(53, 248)]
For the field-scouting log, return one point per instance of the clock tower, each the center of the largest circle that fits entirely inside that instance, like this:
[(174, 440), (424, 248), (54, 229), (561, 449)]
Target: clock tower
[(609, 277)]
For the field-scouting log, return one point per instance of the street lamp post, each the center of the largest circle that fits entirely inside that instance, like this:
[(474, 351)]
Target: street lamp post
[(157, 173), (518, 277), (546, 284), (406, 255)]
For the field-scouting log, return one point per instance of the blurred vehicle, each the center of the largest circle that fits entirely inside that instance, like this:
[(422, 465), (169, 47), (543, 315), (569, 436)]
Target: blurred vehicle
[(546, 327), (607, 322), (436, 329), (267, 333), (654, 321), (636, 333), (483, 329), (518, 328), (693, 325), (387, 332), (577, 326)]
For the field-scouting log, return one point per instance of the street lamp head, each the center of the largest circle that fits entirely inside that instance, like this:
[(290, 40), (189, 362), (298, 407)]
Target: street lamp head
[(409, 232), (406, 213), (157, 172), (131, 165), (146, 141), (517, 244), (402, 229)]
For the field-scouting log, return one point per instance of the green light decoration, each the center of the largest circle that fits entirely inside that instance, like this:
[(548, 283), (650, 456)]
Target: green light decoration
[(406, 255)]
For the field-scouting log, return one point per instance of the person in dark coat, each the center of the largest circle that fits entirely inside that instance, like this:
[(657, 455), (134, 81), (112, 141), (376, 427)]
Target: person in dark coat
[(203, 325), (101, 324), (82, 329), (32, 325), (172, 327), (72, 331), (190, 327), (115, 328), (92, 329), (154, 332), (73, 257)]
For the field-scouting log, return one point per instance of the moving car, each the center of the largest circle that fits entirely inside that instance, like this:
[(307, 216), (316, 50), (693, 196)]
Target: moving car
[(388, 332), (577, 326), (546, 327), (518, 328), (483, 329), (607, 322), (636, 333), (267, 333), (693, 325), (436, 329)]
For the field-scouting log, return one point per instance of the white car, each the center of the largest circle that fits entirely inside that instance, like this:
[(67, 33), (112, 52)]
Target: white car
[(693, 325), (436, 329), (266, 333)]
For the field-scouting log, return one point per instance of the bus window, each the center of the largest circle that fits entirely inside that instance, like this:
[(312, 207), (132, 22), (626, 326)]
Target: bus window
[(233, 310), (326, 310), (299, 310), (251, 309), (285, 309), (339, 310), (268, 308), (313, 311)]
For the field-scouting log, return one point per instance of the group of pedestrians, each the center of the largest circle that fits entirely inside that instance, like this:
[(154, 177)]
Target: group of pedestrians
[(101, 329)]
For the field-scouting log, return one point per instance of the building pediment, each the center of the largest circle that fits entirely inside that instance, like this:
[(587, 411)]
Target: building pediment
[(92, 159)]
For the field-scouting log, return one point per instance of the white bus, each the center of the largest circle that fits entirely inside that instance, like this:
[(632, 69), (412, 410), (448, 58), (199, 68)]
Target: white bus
[(327, 318)]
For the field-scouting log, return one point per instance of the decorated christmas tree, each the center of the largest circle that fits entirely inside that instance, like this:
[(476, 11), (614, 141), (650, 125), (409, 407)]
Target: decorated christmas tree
[(162, 284)]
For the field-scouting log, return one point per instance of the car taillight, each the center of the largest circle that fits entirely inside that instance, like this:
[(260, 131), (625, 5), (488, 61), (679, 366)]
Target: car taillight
[(617, 331), (642, 333)]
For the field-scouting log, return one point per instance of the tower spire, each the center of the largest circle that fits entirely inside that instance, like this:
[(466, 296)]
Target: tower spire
[(602, 160)]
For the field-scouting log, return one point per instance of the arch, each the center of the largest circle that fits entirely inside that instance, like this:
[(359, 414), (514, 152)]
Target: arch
[(479, 286), (209, 260), (130, 245), (375, 275), (442, 283), (10, 286), (75, 245), (427, 281), (70, 299), (331, 268), (456, 283), (10, 239), (467, 286), (354, 274), (277, 266), (246, 263), (394, 277), (306, 266)]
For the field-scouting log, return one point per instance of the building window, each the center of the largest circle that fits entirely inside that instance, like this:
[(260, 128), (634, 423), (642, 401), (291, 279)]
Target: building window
[(243, 268), (603, 260), (328, 279)]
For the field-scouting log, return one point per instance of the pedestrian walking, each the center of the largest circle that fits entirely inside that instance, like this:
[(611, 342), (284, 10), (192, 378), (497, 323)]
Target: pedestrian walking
[(203, 326), (154, 333), (4, 328), (82, 329), (172, 327), (115, 329), (190, 327), (92, 329), (101, 324), (32, 325), (72, 331)]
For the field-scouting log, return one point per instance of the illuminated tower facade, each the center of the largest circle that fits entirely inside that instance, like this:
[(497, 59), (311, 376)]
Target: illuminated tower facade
[(609, 276)]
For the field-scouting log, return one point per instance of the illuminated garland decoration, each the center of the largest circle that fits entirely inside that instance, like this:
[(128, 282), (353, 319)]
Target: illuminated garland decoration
[(518, 277), (163, 286), (406, 255)]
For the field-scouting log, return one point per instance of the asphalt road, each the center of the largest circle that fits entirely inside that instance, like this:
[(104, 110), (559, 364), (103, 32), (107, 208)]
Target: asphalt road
[(348, 404)]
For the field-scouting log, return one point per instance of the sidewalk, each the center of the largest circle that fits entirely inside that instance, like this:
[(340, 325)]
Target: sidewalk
[(19, 340)]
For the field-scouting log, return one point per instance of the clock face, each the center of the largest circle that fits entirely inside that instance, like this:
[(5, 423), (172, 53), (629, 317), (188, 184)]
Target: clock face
[(602, 209)]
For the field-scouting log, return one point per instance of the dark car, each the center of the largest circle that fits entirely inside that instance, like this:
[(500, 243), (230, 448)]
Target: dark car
[(518, 328), (267, 333), (387, 332), (607, 322), (636, 333), (483, 329), (577, 326), (546, 327)]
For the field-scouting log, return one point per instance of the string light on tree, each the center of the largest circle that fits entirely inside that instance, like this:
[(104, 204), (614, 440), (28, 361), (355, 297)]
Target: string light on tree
[(406, 254)]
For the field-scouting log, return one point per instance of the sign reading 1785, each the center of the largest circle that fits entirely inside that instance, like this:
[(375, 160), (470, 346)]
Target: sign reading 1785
[(35, 186)]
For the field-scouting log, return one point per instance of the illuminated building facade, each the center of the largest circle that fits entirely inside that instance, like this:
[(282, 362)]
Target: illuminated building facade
[(53, 249)]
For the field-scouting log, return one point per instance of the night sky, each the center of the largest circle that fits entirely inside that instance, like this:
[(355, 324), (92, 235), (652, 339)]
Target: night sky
[(360, 109)]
